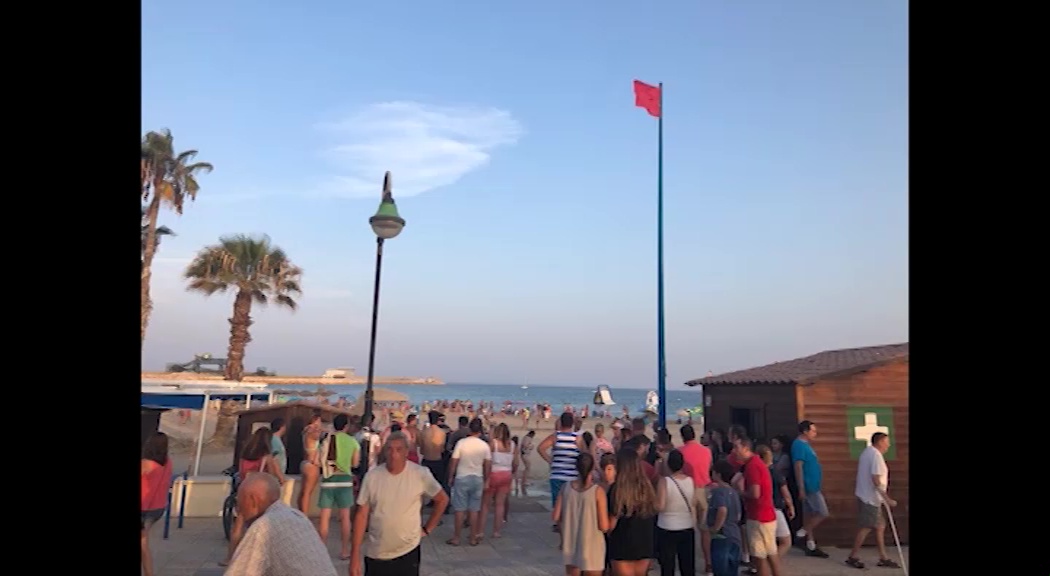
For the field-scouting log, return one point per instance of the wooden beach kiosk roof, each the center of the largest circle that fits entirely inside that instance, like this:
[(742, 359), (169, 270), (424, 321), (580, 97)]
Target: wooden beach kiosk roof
[(383, 396), (827, 364), (195, 395)]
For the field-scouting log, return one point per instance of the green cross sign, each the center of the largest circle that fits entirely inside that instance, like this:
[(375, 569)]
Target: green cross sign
[(862, 422)]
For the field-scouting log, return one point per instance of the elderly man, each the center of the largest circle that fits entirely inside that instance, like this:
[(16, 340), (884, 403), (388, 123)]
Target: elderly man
[(280, 541), (389, 508)]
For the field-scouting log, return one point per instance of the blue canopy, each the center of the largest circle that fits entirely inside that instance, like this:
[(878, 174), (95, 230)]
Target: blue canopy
[(194, 400)]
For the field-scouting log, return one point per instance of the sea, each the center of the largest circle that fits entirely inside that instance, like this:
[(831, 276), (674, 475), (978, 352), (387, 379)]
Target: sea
[(556, 396)]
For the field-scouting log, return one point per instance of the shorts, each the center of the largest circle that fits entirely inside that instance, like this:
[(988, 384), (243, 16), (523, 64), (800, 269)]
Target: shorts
[(151, 516), (702, 497), (783, 530), (500, 481), (404, 565), (869, 516), (762, 538), (555, 490), (466, 493), (815, 504), (337, 493)]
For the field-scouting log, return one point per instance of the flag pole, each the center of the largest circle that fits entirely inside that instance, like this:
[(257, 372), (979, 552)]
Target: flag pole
[(661, 382)]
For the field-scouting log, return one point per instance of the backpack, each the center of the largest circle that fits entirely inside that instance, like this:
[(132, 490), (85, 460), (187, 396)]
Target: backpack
[(327, 452)]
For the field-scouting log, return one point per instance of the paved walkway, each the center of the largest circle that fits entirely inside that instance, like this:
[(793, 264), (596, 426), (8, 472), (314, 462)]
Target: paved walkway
[(528, 548)]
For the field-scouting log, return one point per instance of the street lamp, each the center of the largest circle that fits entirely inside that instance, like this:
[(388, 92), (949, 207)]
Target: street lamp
[(386, 224)]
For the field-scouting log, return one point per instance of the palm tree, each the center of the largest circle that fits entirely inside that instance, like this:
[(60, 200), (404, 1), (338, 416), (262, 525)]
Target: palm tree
[(162, 231), (167, 178), (260, 273)]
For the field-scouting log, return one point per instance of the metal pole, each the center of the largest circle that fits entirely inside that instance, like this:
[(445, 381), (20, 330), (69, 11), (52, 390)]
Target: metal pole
[(366, 449), (200, 436), (661, 382)]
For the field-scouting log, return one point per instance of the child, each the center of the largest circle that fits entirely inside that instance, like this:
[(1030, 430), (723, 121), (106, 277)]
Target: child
[(582, 514), (606, 472), (723, 521)]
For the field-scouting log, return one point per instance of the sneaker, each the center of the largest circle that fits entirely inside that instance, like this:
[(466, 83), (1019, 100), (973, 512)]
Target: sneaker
[(816, 553), (887, 563), (855, 563)]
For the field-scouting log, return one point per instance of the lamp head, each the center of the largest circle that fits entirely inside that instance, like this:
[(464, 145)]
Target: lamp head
[(387, 223)]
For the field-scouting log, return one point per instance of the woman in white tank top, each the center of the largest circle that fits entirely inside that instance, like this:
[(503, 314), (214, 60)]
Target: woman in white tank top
[(500, 479), (676, 502)]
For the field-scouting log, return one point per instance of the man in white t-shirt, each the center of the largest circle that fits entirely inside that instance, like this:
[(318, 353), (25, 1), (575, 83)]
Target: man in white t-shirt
[(389, 508), (468, 474), (872, 481)]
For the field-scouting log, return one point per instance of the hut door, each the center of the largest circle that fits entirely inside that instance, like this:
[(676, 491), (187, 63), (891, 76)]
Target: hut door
[(749, 418)]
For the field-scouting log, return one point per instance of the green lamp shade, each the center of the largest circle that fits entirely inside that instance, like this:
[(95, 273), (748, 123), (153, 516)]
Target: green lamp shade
[(387, 223)]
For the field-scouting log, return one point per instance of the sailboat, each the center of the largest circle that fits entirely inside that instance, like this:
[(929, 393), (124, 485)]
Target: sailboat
[(603, 396), (652, 402), (525, 386)]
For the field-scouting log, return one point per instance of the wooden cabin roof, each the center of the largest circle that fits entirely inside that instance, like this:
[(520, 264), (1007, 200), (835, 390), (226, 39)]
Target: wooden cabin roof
[(811, 368)]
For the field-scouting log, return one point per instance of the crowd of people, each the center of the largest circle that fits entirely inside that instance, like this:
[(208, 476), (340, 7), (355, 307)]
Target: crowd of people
[(622, 506)]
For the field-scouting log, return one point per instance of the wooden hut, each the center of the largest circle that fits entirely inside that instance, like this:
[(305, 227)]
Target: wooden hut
[(849, 395), (296, 416), (150, 423)]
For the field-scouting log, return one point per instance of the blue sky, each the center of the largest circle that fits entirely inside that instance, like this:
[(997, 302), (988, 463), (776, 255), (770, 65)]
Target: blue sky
[(528, 181)]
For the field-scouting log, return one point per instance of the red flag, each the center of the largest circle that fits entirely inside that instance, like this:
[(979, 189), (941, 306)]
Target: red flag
[(647, 96)]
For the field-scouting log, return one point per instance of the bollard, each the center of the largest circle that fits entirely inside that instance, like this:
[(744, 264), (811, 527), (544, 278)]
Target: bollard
[(182, 498), (167, 511)]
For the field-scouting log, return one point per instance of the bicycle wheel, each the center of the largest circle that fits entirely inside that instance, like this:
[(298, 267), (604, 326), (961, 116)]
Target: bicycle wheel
[(229, 508)]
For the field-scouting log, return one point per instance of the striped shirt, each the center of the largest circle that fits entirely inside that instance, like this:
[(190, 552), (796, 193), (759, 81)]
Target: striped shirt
[(563, 456)]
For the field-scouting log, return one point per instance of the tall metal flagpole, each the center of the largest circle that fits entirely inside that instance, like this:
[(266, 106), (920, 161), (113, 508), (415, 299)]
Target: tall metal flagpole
[(661, 382)]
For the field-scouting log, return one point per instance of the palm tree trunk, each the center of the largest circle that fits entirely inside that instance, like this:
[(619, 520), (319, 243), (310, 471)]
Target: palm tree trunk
[(226, 423), (147, 262), (239, 337)]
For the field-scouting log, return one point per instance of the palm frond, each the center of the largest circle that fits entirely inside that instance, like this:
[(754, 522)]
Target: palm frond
[(246, 263)]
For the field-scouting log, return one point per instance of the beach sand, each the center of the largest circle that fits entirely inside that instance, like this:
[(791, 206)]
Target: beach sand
[(215, 459)]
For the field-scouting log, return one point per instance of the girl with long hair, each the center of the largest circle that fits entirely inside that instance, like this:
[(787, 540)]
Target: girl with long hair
[(256, 456), (500, 479), (581, 513), (155, 482), (632, 509)]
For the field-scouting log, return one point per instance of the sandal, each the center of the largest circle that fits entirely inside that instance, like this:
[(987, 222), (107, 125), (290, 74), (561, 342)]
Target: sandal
[(475, 541), (854, 562), (452, 542), (887, 563)]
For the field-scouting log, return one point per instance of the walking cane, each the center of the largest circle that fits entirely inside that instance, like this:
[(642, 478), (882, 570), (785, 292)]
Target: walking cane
[(896, 539)]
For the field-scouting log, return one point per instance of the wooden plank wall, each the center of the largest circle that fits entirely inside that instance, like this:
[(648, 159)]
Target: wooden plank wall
[(824, 403), (775, 403)]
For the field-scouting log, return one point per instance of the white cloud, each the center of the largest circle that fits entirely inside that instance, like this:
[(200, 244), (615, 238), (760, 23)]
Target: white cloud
[(424, 146)]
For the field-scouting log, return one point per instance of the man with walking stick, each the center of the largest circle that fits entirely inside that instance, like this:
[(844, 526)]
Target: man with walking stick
[(872, 481)]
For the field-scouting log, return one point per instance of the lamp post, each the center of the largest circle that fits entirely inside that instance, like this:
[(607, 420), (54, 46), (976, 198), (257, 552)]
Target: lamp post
[(386, 224)]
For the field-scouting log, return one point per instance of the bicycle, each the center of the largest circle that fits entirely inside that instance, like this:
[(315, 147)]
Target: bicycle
[(229, 506)]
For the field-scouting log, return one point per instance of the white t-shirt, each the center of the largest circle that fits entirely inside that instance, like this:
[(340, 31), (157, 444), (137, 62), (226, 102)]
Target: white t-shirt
[(395, 502), (472, 452), (871, 464)]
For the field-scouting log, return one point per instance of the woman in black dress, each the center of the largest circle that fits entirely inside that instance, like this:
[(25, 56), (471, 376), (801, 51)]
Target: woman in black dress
[(632, 514)]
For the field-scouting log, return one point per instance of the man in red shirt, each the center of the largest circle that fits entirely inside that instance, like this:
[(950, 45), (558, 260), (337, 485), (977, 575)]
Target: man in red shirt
[(759, 511), (697, 466)]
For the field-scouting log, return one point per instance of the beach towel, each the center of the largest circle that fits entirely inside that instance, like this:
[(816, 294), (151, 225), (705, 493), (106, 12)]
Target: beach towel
[(337, 457)]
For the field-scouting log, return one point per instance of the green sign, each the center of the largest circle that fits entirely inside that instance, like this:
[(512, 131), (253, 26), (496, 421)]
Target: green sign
[(862, 422)]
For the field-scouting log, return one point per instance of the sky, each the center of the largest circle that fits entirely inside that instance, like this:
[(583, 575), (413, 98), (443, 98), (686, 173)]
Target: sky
[(528, 181)]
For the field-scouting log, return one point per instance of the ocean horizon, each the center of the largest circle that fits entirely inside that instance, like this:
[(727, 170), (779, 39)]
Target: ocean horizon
[(556, 396)]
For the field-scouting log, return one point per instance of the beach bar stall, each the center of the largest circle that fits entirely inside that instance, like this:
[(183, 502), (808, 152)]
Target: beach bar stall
[(197, 495), (297, 414), (160, 395), (382, 399), (849, 395)]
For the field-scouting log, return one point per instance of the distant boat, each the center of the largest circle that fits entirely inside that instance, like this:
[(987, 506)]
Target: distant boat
[(652, 402), (524, 387), (603, 396)]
